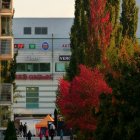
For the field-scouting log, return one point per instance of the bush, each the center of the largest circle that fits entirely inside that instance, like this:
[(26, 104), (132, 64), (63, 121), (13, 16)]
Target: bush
[(10, 133)]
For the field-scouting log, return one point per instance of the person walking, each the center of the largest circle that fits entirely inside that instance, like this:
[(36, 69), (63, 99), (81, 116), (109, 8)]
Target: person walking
[(61, 134), (52, 133), (25, 130), (71, 134), (21, 129), (47, 134), (29, 135), (40, 135)]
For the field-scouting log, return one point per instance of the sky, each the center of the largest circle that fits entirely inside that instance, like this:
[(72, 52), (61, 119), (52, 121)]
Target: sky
[(44, 8), (50, 8)]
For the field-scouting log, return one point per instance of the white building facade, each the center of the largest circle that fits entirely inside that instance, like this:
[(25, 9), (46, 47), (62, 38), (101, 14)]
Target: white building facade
[(43, 46)]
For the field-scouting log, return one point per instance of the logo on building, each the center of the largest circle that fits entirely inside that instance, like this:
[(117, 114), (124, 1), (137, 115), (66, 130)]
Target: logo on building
[(45, 46), (64, 58)]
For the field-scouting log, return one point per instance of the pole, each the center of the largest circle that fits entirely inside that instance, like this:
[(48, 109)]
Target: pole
[(52, 58)]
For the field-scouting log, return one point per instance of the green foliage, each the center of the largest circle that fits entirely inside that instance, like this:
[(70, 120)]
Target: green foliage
[(78, 37), (8, 70), (119, 114), (121, 119), (10, 133), (129, 18), (4, 115)]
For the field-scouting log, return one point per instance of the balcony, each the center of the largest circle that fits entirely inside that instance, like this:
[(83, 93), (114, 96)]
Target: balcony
[(6, 94), (6, 26), (6, 49), (6, 6)]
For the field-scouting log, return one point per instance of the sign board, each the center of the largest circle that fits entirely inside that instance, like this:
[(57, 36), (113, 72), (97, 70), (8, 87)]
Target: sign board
[(33, 77), (45, 46), (64, 58)]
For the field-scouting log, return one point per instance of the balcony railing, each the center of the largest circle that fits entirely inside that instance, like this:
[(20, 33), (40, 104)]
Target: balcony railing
[(5, 46), (6, 26), (6, 93)]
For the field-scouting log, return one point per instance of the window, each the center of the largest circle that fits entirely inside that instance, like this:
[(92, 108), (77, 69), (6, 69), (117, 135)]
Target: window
[(44, 67), (6, 90), (60, 67), (5, 46), (33, 67), (6, 4), (6, 28), (21, 67), (27, 30), (32, 97), (41, 30)]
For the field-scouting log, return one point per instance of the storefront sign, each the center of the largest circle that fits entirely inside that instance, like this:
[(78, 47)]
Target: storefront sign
[(32, 58), (34, 77), (32, 46), (64, 58), (66, 45), (19, 46), (45, 46)]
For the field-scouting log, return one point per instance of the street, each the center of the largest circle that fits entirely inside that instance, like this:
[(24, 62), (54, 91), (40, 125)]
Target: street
[(37, 138)]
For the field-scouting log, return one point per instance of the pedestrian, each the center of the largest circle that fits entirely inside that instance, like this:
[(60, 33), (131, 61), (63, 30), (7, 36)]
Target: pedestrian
[(29, 135), (61, 134), (47, 134), (21, 129), (40, 135), (52, 133), (71, 134), (25, 130), (52, 126)]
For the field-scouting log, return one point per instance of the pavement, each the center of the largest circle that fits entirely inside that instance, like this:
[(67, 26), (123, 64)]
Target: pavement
[(37, 138)]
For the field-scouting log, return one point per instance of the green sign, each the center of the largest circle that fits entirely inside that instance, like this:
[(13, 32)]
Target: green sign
[(32, 46)]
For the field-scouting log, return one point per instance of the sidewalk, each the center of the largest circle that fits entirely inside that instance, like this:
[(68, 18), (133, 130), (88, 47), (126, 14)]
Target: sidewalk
[(37, 138)]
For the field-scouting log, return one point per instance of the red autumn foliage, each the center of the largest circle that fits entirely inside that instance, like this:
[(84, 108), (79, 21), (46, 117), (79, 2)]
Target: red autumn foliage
[(79, 98), (100, 24)]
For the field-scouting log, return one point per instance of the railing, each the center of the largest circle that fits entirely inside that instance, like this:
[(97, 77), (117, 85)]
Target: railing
[(5, 47), (6, 23), (5, 93)]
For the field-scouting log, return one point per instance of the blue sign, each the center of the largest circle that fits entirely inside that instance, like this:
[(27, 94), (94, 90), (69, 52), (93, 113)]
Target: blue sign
[(45, 46)]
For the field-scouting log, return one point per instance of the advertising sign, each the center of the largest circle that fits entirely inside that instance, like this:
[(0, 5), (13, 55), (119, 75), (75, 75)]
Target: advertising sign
[(45, 46), (64, 58)]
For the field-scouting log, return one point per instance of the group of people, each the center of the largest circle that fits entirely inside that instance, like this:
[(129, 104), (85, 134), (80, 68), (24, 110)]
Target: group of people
[(23, 131), (49, 132)]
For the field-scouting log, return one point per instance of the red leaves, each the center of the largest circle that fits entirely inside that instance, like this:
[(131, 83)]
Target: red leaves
[(77, 99), (100, 24)]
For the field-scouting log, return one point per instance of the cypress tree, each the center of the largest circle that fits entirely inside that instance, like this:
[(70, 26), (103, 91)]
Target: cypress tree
[(10, 133), (129, 18), (113, 6), (119, 115), (78, 37)]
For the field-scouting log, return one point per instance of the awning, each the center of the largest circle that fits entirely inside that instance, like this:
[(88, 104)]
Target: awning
[(44, 122)]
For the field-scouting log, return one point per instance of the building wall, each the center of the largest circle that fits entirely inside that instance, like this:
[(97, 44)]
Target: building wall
[(58, 51)]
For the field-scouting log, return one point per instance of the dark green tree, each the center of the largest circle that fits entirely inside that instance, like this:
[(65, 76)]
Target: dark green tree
[(129, 18), (10, 133), (9, 70), (78, 37), (118, 116)]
